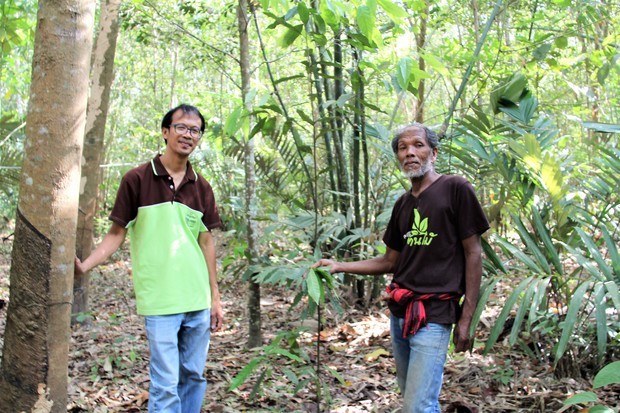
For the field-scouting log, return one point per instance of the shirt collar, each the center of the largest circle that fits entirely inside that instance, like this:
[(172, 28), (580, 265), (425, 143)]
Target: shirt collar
[(160, 170)]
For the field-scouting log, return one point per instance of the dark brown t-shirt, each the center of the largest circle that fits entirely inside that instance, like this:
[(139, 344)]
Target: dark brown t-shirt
[(150, 184), (428, 232)]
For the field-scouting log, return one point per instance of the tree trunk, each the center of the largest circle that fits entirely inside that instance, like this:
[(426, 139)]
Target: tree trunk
[(255, 336), (36, 342), (96, 116), (420, 44), (333, 91)]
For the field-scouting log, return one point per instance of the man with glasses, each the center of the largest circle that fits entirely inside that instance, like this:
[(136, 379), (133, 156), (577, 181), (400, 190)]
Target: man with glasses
[(169, 211)]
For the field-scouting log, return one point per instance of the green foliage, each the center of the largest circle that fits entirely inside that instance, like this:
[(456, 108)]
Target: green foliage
[(540, 145), (11, 138), (285, 356), (608, 375), (564, 258), (315, 289)]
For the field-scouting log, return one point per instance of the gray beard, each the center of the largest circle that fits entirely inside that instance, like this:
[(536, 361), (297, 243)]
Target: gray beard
[(424, 169)]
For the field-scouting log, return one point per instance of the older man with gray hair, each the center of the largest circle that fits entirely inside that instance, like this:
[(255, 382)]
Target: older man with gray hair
[(434, 253)]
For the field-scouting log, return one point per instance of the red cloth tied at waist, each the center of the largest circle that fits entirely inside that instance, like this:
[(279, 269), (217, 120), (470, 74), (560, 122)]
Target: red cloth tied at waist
[(415, 313)]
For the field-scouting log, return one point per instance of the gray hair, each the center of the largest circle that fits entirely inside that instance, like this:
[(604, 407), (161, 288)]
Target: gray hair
[(431, 137)]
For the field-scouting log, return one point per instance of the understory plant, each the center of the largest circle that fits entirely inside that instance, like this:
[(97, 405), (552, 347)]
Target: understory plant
[(287, 356), (555, 231), (607, 376)]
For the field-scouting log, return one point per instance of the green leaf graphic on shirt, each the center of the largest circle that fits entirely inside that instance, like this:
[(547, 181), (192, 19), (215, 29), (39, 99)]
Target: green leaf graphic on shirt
[(418, 234)]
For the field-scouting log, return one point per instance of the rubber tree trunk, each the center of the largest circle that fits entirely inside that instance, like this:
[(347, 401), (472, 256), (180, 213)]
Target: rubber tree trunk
[(92, 154), (36, 342)]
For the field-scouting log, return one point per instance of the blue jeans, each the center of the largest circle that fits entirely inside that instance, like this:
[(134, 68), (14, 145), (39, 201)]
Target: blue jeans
[(178, 344), (419, 364)]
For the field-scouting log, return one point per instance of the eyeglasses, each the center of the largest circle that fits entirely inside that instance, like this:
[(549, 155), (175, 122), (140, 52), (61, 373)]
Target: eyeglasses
[(182, 129)]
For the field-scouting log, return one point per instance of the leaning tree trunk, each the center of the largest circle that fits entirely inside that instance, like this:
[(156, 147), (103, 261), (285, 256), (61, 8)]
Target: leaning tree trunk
[(36, 342), (96, 116), (255, 336)]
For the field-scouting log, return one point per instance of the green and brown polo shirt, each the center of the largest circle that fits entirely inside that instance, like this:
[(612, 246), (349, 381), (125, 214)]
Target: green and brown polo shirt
[(170, 274)]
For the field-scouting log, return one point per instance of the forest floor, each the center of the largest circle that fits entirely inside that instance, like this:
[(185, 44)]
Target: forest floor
[(108, 365)]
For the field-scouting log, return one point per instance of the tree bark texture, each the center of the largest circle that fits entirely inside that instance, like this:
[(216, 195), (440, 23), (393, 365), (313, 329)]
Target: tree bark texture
[(96, 115), (36, 342), (255, 336)]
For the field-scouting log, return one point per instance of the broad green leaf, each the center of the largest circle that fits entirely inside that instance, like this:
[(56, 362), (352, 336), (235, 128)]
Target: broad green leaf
[(328, 278), (580, 398), (315, 290), (365, 21), (561, 42), (302, 10), (417, 5), (290, 13), (291, 376), (404, 68), (474, 125), (393, 10), (257, 127), (233, 124), (610, 374), (305, 117), (571, 319), (330, 13), (601, 409), (291, 34), (523, 110)]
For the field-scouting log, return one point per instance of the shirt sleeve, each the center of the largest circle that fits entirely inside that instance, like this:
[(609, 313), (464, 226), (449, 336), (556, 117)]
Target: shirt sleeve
[(471, 217), (211, 216), (126, 204), (392, 236)]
